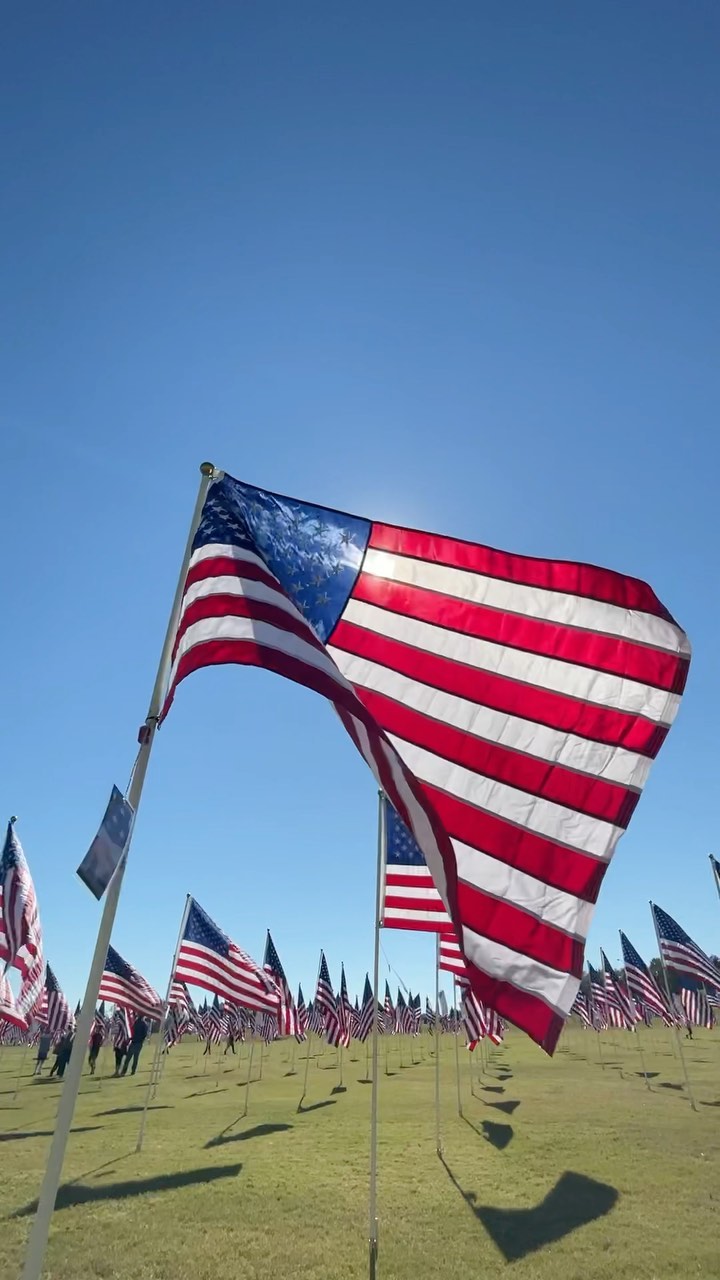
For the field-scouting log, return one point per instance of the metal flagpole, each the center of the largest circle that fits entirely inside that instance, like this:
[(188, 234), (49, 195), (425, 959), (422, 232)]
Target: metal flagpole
[(438, 1137), (154, 1070), (39, 1232), (249, 1073), (457, 1047), (26, 1046), (715, 876), (671, 1007), (379, 881)]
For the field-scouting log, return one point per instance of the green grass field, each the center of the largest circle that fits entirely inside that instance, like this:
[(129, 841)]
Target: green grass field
[(558, 1169)]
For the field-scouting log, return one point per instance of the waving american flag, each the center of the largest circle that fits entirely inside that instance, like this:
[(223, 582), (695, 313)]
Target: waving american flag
[(21, 945), (509, 707)]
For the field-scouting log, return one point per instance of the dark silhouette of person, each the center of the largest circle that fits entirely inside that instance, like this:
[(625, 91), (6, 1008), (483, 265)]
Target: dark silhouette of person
[(64, 1051), (96, 1040), (208, 1047), (230, 1043), (137, 1040)]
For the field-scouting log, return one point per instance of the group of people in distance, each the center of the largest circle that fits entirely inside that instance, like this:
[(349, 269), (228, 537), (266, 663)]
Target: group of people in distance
[(126, 1055)]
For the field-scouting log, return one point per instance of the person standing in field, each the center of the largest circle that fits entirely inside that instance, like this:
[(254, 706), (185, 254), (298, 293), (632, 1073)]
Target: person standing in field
[(137, 1040), (64, 1051), (96, 1040), (44, 1046)]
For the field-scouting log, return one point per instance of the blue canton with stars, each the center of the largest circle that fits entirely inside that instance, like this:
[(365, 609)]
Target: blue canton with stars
[(401, 848), (315, 553), (115, 964), (201, 930)]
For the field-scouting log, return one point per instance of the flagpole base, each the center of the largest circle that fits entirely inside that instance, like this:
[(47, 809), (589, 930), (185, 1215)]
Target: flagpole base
[(373, 1258)]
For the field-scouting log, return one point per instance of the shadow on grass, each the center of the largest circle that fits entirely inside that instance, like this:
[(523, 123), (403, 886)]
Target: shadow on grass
[(69, 1196), (259, 1131), (507, 1108), (650, 1075), (665, 1084), (492, 1088), (498, 1135), (315, 1106), (702, 1104), (205, 1093), (364, 1079), (121, 1111), (19, 1136), (574, 1201), (290, 1073), (339, 1088)]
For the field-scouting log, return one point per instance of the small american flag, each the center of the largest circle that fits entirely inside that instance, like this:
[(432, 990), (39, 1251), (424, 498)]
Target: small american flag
[(58, 1014), (696, 1008), (510, 707), (472, 1013), (326, 1002), (8, 1008), (403, 1017), (621, 1009), (365, 1024), (216, 1023), (208, 959), (121, 1027), (288, 1024), (451, 958), (680, 953), (641, 983), (345, 1011), (302, 1017), (124, 986), (582, 1009), (389, 1011), (316, 1021), (21, 945), (410, 899)]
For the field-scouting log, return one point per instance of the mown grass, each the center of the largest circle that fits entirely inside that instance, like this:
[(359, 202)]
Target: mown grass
[(558, 1170)]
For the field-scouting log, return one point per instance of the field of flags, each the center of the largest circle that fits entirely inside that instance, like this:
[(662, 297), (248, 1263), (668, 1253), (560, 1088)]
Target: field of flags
[(509, 710)]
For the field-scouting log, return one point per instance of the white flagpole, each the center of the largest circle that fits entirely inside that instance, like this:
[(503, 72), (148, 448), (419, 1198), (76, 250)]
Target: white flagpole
[(458, 1024), (154, 1070), (40, 1230), (379, 882), (249, 1072), (438, 1137), (672, 1007)]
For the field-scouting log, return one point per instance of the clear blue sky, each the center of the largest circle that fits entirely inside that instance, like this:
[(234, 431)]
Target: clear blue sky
[(452, 266)]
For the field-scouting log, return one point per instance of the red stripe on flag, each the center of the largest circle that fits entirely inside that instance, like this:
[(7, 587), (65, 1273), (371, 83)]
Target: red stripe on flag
[(526, 1011), (563, 576), (555, 864), (531, 635), (586, 794), (556, 710), (512, 927)]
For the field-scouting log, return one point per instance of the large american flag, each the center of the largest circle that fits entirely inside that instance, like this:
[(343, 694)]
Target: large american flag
[(680, 953), (124, 986), (641, 983), (410, 899), (509, 707), (21, 945), (288, 1024), (208, 959)]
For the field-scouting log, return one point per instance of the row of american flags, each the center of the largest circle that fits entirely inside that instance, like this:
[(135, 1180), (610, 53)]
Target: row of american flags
[(257, 998)]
